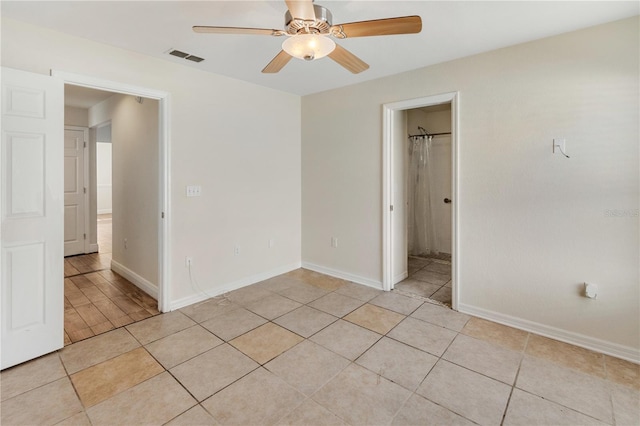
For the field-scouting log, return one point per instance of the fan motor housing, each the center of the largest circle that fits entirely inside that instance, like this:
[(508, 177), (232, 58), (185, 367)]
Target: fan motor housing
[(321, 25)]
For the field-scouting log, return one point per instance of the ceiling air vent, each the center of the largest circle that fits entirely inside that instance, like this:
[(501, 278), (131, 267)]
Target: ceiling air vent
[(184, 55)]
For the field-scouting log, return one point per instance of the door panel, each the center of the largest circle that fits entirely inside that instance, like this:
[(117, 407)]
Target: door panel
[(31, 216), (74, 191)]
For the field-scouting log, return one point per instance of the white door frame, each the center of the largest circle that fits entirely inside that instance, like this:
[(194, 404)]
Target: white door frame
[(388, 112), (85, 183), (164, 102)]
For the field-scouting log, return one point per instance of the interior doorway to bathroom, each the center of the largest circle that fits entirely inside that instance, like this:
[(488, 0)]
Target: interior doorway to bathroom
[(427, 165), (420, 196)]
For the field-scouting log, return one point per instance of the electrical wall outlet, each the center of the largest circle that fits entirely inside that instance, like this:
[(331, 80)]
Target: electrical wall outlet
[(194, 191), (126, 244), (334, 242), (188, 262), (236, 250)]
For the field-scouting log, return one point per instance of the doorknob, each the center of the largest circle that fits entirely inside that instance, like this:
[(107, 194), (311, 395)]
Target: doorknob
[(448, 201)]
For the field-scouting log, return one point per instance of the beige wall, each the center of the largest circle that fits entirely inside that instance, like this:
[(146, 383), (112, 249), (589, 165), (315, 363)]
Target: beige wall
[(533, 225), (135, 188), (76, 116), (239, 141)]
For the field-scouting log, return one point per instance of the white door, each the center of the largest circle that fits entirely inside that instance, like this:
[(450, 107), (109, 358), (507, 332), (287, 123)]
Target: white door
[(31, 216), (75, 190)]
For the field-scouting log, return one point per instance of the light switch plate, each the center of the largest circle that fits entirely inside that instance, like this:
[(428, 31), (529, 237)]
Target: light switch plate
[(194, 190)]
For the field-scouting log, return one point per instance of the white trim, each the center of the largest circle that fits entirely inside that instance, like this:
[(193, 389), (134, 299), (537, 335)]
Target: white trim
[(577, 339), (234, 285), (388, 111), (140, 282), (400, 277), (93, 248), (164, 132), (343, 275)]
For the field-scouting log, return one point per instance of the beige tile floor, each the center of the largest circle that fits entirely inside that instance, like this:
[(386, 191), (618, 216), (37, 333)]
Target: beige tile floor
[(306, 349), (428, 277)]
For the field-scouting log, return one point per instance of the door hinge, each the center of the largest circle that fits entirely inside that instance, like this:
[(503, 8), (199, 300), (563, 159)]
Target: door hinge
[(85, 190), (85, 144), (162, 215), (391, 207), (85, 236)]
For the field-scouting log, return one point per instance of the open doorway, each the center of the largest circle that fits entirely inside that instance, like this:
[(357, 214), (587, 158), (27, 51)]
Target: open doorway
[(111, 285), (427, 185), (420, 255)]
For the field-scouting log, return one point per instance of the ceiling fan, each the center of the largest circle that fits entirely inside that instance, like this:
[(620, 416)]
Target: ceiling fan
[(308, 27)]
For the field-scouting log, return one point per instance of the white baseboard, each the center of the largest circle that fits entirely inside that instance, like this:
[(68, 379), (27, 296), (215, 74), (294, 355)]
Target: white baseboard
[(343, 275), (142, 283), (234, 285), (104, 211), (577, 339), (93, 248), (400, 277)]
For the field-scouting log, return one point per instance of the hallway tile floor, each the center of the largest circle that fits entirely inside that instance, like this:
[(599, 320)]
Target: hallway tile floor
[(326, 352)]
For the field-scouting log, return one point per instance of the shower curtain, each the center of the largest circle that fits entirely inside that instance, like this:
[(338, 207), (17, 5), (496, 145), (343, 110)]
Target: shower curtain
[(421, 227)]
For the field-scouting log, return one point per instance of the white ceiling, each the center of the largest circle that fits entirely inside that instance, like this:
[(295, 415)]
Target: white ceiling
[(451, 29)]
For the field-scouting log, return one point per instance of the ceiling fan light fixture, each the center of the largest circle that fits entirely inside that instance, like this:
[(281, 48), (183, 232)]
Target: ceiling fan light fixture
[(308, 46)]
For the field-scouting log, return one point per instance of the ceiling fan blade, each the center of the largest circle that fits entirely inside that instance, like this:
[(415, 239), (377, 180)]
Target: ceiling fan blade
[(276, 64), (389, 26), (236, 30), (301, 9), (348, 60)]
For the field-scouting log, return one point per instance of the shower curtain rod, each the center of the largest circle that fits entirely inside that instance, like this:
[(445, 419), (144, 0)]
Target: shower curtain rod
[(429, 134)]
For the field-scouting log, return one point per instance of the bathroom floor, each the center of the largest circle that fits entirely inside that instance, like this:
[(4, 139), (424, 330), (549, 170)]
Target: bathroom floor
[(428, 277)]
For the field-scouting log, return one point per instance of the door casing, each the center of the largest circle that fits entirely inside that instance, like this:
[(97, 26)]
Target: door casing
[(389, 123), (164, 178), (85, 185)]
